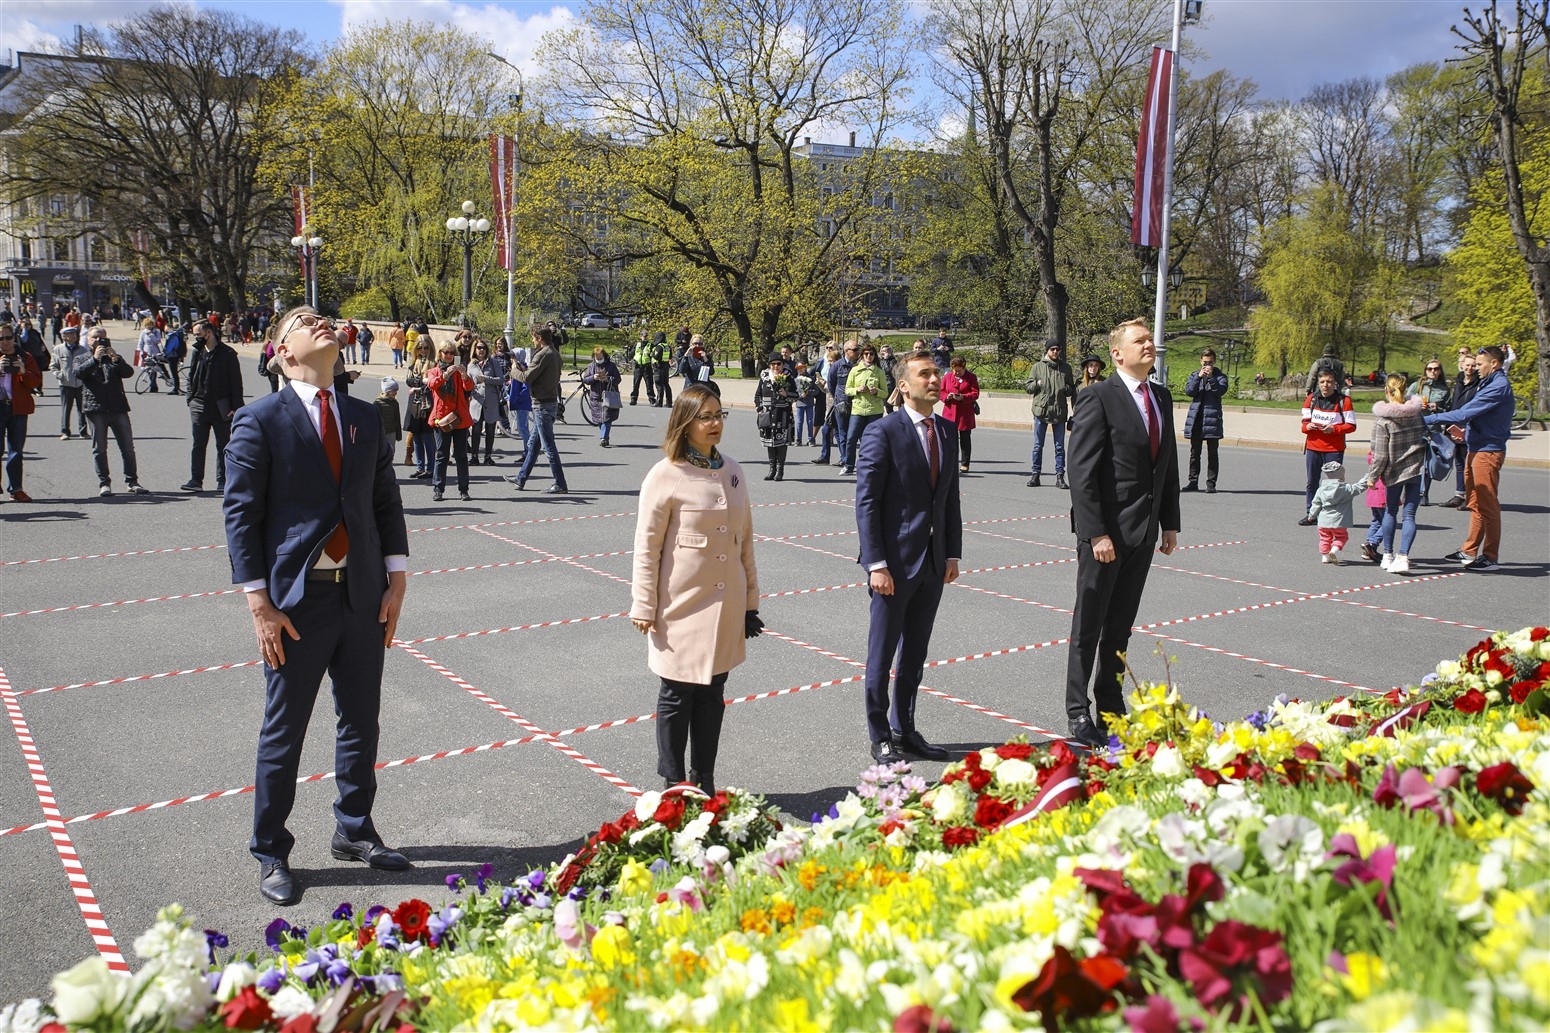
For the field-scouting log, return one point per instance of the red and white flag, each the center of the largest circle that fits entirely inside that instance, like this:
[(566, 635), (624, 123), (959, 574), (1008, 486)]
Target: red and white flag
[(301, 205), (503, 179), (1154, 152), (1062, 786)]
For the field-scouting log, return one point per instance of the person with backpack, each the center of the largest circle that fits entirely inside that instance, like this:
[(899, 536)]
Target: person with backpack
[(1330, 362), (174, 346), (1326, 420)]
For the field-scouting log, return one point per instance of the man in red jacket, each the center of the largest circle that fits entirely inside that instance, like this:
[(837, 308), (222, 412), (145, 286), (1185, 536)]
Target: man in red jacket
[(19, 378)]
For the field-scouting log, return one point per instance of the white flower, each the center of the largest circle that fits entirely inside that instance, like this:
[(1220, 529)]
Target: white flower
[(718, 855), (989, 758), (178, 996), (735, 827), (87, 993), (1194, 792), (646, 806), (176, 944), (1116, 825), (237, 975), (289, 1002), (1167, 762), (740, 980), (26, 1017), (811, 943), (1291, 841), (675, 1011), (951, 804), (1016, 772)]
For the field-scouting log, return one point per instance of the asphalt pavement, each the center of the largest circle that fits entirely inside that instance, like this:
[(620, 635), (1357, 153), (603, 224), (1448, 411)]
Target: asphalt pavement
[(516, 715)]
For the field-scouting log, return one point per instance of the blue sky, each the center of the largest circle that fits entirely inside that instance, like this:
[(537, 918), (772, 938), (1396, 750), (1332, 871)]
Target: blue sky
[(1287, 46)]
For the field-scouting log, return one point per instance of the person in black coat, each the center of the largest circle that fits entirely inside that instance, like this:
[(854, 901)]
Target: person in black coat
[(1203, 422), (1124, 497), (214, 396), (107, 409)]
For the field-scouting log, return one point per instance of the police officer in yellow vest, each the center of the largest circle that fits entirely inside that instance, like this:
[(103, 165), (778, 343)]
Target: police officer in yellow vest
[(643, 371)]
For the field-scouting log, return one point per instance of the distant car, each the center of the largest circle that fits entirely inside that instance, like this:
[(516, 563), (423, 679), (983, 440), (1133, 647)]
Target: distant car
[(595, 321)]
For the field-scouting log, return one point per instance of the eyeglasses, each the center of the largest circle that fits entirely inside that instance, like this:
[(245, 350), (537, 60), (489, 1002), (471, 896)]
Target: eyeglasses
[(713, 417), (8, 337), (1434, 369)]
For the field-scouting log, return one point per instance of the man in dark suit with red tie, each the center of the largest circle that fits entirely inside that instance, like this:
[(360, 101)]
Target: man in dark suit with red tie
[(315, 530), (911, 525), (1124, 493)]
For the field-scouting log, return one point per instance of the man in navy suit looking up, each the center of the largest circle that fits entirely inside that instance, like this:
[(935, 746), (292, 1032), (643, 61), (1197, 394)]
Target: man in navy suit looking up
[(315, 530), (907, 511), (1124, 471)]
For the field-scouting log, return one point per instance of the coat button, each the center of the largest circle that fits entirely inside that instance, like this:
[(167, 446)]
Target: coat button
[(720, 585), (721, 502), (722, 528), (723, 556)]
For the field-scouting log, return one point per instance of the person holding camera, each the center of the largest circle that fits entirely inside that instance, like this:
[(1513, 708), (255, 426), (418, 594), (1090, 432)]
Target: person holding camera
[(449, 384), (107, 409), (214, 396), (1203, 423), (19, 378)]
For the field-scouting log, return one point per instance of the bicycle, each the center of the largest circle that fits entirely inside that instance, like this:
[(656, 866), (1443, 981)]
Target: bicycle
[(586, 408), (152, 364)]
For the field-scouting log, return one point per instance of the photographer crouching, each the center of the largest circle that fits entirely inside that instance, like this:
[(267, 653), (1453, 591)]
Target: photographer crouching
[(107, 409)]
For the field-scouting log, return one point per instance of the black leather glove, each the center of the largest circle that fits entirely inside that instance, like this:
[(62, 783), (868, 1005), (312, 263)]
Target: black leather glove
[(752, 625)]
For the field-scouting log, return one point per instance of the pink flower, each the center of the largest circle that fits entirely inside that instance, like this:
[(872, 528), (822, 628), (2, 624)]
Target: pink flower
[(920, 1019), (1378, 868), (569, 927), (1159, 1016), (1231, 959)]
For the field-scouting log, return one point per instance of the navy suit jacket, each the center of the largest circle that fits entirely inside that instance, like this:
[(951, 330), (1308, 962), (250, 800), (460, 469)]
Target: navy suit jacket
[(1116, 488), (282, 502), (901, 520)]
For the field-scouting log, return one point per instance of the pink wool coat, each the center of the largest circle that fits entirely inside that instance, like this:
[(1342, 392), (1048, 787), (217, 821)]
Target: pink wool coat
[(694, 575)]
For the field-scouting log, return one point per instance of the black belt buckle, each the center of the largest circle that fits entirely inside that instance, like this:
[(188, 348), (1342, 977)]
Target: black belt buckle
[(334, 576)]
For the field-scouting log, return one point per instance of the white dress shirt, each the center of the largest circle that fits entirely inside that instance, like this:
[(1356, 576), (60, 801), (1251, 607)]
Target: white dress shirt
[(308, 394), (1147, 411)]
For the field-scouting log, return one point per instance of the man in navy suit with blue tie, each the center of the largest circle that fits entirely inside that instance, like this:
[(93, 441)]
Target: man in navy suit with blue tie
[(315, 529), (911, 525)]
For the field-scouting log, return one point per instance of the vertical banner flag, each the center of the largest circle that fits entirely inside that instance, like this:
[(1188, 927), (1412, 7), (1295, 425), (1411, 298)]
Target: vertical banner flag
[(503, 179), (140, 240), (301, 204), (1153, 153)]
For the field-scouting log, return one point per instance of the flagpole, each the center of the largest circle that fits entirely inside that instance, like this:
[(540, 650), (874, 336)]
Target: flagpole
[(511, 233), (1160, 371)]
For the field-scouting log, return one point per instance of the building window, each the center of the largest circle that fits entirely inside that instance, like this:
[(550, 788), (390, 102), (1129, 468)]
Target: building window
[(56, 206), (27, 250), (61, 249), (99, 250)]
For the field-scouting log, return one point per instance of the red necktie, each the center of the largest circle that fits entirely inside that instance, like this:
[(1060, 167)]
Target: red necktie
[(933, 455), (1153, 421), (338, 545)]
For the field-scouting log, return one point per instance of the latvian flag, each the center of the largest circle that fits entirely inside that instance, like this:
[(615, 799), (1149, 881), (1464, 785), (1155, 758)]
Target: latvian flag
[(1153, 153), (1063, 785)]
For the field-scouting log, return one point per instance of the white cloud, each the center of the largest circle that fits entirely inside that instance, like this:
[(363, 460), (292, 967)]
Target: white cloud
[(52, 25), (1290, 46), (513, 35)]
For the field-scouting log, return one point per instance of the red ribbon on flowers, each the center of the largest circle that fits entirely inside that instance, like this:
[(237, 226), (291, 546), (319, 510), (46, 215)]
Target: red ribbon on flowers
[(1402, 720), (1063, 785)]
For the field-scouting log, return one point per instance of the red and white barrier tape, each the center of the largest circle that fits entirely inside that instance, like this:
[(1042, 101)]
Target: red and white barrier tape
[(562, 559), (1256, 660), (111, 555), (80, 886)]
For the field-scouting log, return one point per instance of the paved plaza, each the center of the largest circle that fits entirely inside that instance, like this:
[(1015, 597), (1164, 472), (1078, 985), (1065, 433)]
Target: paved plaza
[(517, 707)]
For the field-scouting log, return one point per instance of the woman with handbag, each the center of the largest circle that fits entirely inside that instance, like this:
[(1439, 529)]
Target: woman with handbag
[(488, 373), (960, 403), (602, 380), (418, 441), (449, 385), (694, 592), (772, 401)]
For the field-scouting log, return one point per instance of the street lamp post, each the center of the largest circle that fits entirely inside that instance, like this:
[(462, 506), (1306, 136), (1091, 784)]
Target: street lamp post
[(307, 243), (467, 230)]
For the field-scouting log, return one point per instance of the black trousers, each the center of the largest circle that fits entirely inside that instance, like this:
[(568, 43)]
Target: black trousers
[(664, 383), (482, 431), (689, 715), (1211, 460), (206, 419), (1107, 598), (965, 447), (345, 644), (644, 374)]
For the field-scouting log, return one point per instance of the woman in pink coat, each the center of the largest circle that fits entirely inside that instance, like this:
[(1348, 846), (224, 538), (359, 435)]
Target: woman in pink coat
[(694, 590), (960, 395)]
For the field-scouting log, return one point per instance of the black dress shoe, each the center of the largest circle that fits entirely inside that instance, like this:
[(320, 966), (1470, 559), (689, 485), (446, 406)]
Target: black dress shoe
[(1033, 482), (1210, 489), (1190, 487), (374, 854), (915, 743), (1306, 521), (886, 752), (1086, 733), (277, 884)]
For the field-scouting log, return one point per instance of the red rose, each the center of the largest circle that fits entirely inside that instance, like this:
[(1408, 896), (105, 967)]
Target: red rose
[(956, 836), (305, 1023), (364, 935), (718, 803), (609, 833), (991, 811), (1505, 784), (246, 1011), (1471, 702), (1060, 754), (669, 812), (628, 823), (979, 778), (1539, 634), (567, 878), (410, 917), (1542, 671), (1014, 751), (1520, 691)]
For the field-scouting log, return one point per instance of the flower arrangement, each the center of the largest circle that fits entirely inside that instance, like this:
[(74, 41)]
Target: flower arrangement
[(1355, 864)]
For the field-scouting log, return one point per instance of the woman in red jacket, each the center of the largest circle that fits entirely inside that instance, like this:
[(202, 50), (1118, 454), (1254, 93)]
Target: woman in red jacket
[(960, 395), (19, 378), (449, 385), (1326, 420)]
